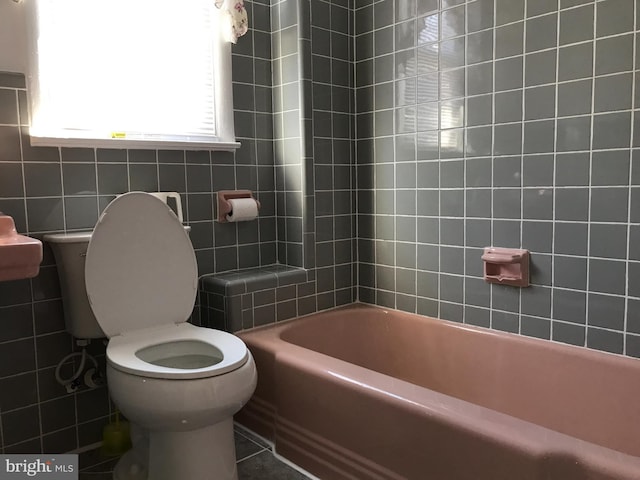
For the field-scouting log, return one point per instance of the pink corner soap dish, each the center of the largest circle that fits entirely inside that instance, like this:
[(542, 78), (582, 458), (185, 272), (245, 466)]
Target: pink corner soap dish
[(20, 256), (507, 266)]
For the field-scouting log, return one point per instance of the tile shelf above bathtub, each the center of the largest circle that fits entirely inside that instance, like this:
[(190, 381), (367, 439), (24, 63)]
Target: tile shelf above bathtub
[(242, 299), (237, 282)]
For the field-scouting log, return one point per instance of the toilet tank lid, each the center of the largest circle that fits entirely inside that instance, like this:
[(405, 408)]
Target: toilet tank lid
[(71, 237), (78, 237)]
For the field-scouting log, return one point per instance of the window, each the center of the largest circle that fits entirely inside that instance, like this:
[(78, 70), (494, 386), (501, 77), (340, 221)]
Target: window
[(129, 74)]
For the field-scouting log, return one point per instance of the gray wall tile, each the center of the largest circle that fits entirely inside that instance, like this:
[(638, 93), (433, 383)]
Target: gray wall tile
[(612, 130), (572, 169), (540, 102), (609, 204), (509, 40), (613, 17), (539, 136), (607, 276), (541, 7), (574, 134), (570, 238), (537, 236), (575, 61), (605, 340), (535, 327), (574, 98), (576, 25), (570, 272), (479, 47), (613, 93), (614, 54), (509, 73), (508, 11), (537, 170), (606, 311), (542, 32), (610, 168), (567, 333), (540, 68), (569, 306)]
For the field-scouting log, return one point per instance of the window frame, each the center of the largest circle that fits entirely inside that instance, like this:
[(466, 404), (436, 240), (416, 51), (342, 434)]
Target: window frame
[(223, 97)]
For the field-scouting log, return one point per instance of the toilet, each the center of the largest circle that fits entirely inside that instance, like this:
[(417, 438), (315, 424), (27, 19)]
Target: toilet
[(179, 385)]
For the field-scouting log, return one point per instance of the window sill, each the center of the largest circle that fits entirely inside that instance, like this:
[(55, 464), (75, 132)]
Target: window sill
[(131, 143)]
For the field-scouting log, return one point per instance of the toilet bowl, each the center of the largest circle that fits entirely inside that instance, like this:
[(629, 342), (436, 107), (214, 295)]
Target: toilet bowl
[(178, 384)]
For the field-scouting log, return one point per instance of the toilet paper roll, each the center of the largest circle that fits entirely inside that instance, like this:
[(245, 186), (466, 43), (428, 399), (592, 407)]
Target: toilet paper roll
[(242, 210)]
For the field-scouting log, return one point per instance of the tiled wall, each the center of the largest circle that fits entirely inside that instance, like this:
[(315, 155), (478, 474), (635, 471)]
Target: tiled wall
[(51, 190), (275, 106), (36, 414), (508, 123), (290, 154), (314, 174), (333, 178)]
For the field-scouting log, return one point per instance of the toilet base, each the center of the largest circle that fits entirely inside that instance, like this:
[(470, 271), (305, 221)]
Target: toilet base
[(130, 467), (204, 454), (133, 465)]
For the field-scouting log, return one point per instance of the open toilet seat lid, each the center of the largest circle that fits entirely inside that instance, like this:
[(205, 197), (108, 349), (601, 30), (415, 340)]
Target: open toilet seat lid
[(140, 269)]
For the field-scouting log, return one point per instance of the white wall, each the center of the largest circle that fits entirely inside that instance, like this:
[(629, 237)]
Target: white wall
[(13, 45)]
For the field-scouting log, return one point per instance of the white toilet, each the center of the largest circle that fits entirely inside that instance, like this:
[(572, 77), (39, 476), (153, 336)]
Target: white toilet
[(178, 384)]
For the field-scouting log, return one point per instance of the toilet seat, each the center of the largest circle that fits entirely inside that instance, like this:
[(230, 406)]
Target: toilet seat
[(141, 278), (123, 349)]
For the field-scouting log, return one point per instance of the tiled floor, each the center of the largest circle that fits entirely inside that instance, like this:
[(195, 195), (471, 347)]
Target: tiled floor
[(255, 462)]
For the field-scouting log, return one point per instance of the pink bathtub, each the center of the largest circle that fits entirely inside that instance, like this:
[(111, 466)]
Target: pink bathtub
[(365, 393)]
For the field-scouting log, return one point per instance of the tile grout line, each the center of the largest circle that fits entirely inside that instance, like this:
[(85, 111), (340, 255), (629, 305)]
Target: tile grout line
[(634, 125), (590, 187), (492, 286), (522, 149), (464, 156), (554, 180)]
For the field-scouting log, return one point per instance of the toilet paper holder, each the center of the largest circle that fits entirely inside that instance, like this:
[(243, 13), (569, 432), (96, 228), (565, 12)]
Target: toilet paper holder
[(224, 207)]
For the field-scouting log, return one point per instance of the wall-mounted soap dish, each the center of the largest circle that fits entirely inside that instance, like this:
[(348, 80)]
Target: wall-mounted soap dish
[(507, 266), (20, 256)]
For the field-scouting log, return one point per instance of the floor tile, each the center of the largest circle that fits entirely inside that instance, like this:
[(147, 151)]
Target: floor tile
[(245, 447), (251, 436), (255, 461), (264, 466)]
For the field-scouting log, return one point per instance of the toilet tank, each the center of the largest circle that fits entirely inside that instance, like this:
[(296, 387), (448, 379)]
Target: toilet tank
[(70, 251)]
